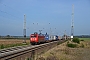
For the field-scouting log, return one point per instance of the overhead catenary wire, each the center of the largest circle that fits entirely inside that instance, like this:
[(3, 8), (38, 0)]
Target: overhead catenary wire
[(9, 14), (15, 16), (13, 9)]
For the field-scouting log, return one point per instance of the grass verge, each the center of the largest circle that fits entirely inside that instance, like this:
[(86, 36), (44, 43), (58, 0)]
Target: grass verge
[(2, 46)]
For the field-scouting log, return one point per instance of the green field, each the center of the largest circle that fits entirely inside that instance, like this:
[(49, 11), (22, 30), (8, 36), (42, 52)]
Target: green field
[(84, 38)]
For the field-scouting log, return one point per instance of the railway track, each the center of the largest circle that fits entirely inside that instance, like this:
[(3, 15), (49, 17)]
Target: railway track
[(25, 52)]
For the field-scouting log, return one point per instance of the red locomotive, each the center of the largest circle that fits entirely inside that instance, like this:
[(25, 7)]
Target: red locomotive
[(37, 38)]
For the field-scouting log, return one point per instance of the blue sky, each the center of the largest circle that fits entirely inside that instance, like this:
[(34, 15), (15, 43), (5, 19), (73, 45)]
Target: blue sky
[(56, 12)]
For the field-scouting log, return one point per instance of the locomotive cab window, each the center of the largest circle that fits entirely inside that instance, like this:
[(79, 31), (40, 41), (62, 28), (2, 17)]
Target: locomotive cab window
[(33, 36)]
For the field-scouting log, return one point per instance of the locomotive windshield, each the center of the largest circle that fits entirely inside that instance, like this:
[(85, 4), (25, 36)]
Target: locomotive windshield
[(33, 36)]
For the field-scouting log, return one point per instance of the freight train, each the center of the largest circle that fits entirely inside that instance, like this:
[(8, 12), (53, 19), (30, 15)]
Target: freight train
[(39, 38)]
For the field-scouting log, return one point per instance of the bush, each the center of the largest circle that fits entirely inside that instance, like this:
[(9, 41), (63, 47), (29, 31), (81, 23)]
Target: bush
[(71, 45), (76, 40), (81, 40), (1, 46)]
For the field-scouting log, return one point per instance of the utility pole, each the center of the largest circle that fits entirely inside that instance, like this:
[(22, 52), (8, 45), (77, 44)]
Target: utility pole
[(72, 23), (24, 30), (65, 35)]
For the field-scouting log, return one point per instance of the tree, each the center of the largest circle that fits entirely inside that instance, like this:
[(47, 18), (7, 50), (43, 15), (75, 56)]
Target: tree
[(8, 36)]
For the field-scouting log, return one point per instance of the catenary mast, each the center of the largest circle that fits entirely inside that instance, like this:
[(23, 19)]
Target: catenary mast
[(24, 30), (72, 23)]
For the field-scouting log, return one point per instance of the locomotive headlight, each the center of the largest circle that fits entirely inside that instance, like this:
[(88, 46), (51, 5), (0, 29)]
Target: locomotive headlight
[(31, 38), (35, 38)]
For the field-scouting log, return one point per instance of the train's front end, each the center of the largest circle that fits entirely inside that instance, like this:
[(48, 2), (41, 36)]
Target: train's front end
[(33, 38)]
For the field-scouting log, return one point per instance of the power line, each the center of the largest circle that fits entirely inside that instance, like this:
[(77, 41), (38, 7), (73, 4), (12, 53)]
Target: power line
[(20, 11), (13, 8), (9, 14)]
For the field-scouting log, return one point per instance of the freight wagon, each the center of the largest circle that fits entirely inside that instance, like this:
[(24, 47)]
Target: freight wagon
[(51, 37)]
